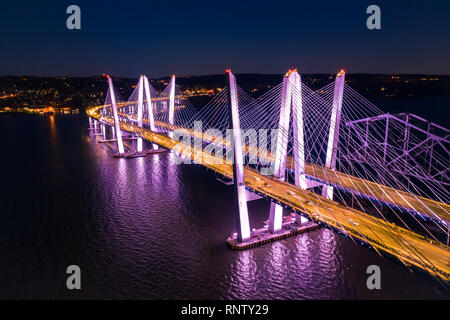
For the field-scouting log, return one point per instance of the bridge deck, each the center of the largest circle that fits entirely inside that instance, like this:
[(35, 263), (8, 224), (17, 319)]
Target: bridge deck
[(409, 247), (398, 198), (433, 209)]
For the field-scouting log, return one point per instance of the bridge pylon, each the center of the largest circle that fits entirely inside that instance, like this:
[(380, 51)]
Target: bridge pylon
[(242, 221), (148, 98), (333, 136), (172, 102), (140, 110), (103, 126), (117, 131), (291, 98)]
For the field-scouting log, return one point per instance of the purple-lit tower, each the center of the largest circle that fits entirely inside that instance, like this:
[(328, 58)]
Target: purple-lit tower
[(291, 97), (140, 111), (148, 98), (242, 222), (333, 137), (172, 100), (116, 117)]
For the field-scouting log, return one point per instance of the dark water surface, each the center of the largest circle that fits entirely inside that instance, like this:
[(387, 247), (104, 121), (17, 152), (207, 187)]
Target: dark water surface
[(149, 228)]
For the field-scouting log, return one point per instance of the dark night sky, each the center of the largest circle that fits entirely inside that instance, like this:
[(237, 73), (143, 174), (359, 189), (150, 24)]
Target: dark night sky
[(128, 38)]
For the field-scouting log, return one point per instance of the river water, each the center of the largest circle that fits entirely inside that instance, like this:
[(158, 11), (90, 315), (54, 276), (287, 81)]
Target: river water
[(150, 228)]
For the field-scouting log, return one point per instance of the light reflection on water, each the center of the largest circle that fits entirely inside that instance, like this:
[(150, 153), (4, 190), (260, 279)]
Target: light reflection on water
[(244, 276), (150, 228)]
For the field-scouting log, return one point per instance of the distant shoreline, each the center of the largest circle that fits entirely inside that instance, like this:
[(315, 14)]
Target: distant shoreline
[(80, 92)]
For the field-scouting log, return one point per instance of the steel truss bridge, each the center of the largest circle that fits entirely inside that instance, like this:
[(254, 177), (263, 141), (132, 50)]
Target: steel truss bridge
[(329, 154)]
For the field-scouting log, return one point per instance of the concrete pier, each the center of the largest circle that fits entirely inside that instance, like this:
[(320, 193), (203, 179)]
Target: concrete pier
[(137, 154), (114, 140), (262, 236)]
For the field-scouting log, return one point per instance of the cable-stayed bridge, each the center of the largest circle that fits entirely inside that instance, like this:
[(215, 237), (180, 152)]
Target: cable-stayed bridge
[(329, 154)]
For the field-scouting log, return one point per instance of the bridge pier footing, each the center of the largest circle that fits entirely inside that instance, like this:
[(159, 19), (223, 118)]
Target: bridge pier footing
[(137, 154), (263, 235)]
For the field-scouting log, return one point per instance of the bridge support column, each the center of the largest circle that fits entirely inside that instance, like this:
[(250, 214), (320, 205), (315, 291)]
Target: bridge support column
[(299, 140), (116, 117), (172, 103), (333, 137), (279, 166), (291, 98), (242, 221), (140, 111), (148, 97)]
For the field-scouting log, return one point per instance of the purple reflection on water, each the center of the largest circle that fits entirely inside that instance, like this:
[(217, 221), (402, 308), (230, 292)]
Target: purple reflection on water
[(243, 277), (141, 171), (303, 255)]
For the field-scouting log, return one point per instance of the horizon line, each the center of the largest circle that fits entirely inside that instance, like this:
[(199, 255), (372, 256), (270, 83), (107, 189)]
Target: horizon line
[(219, 74)]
